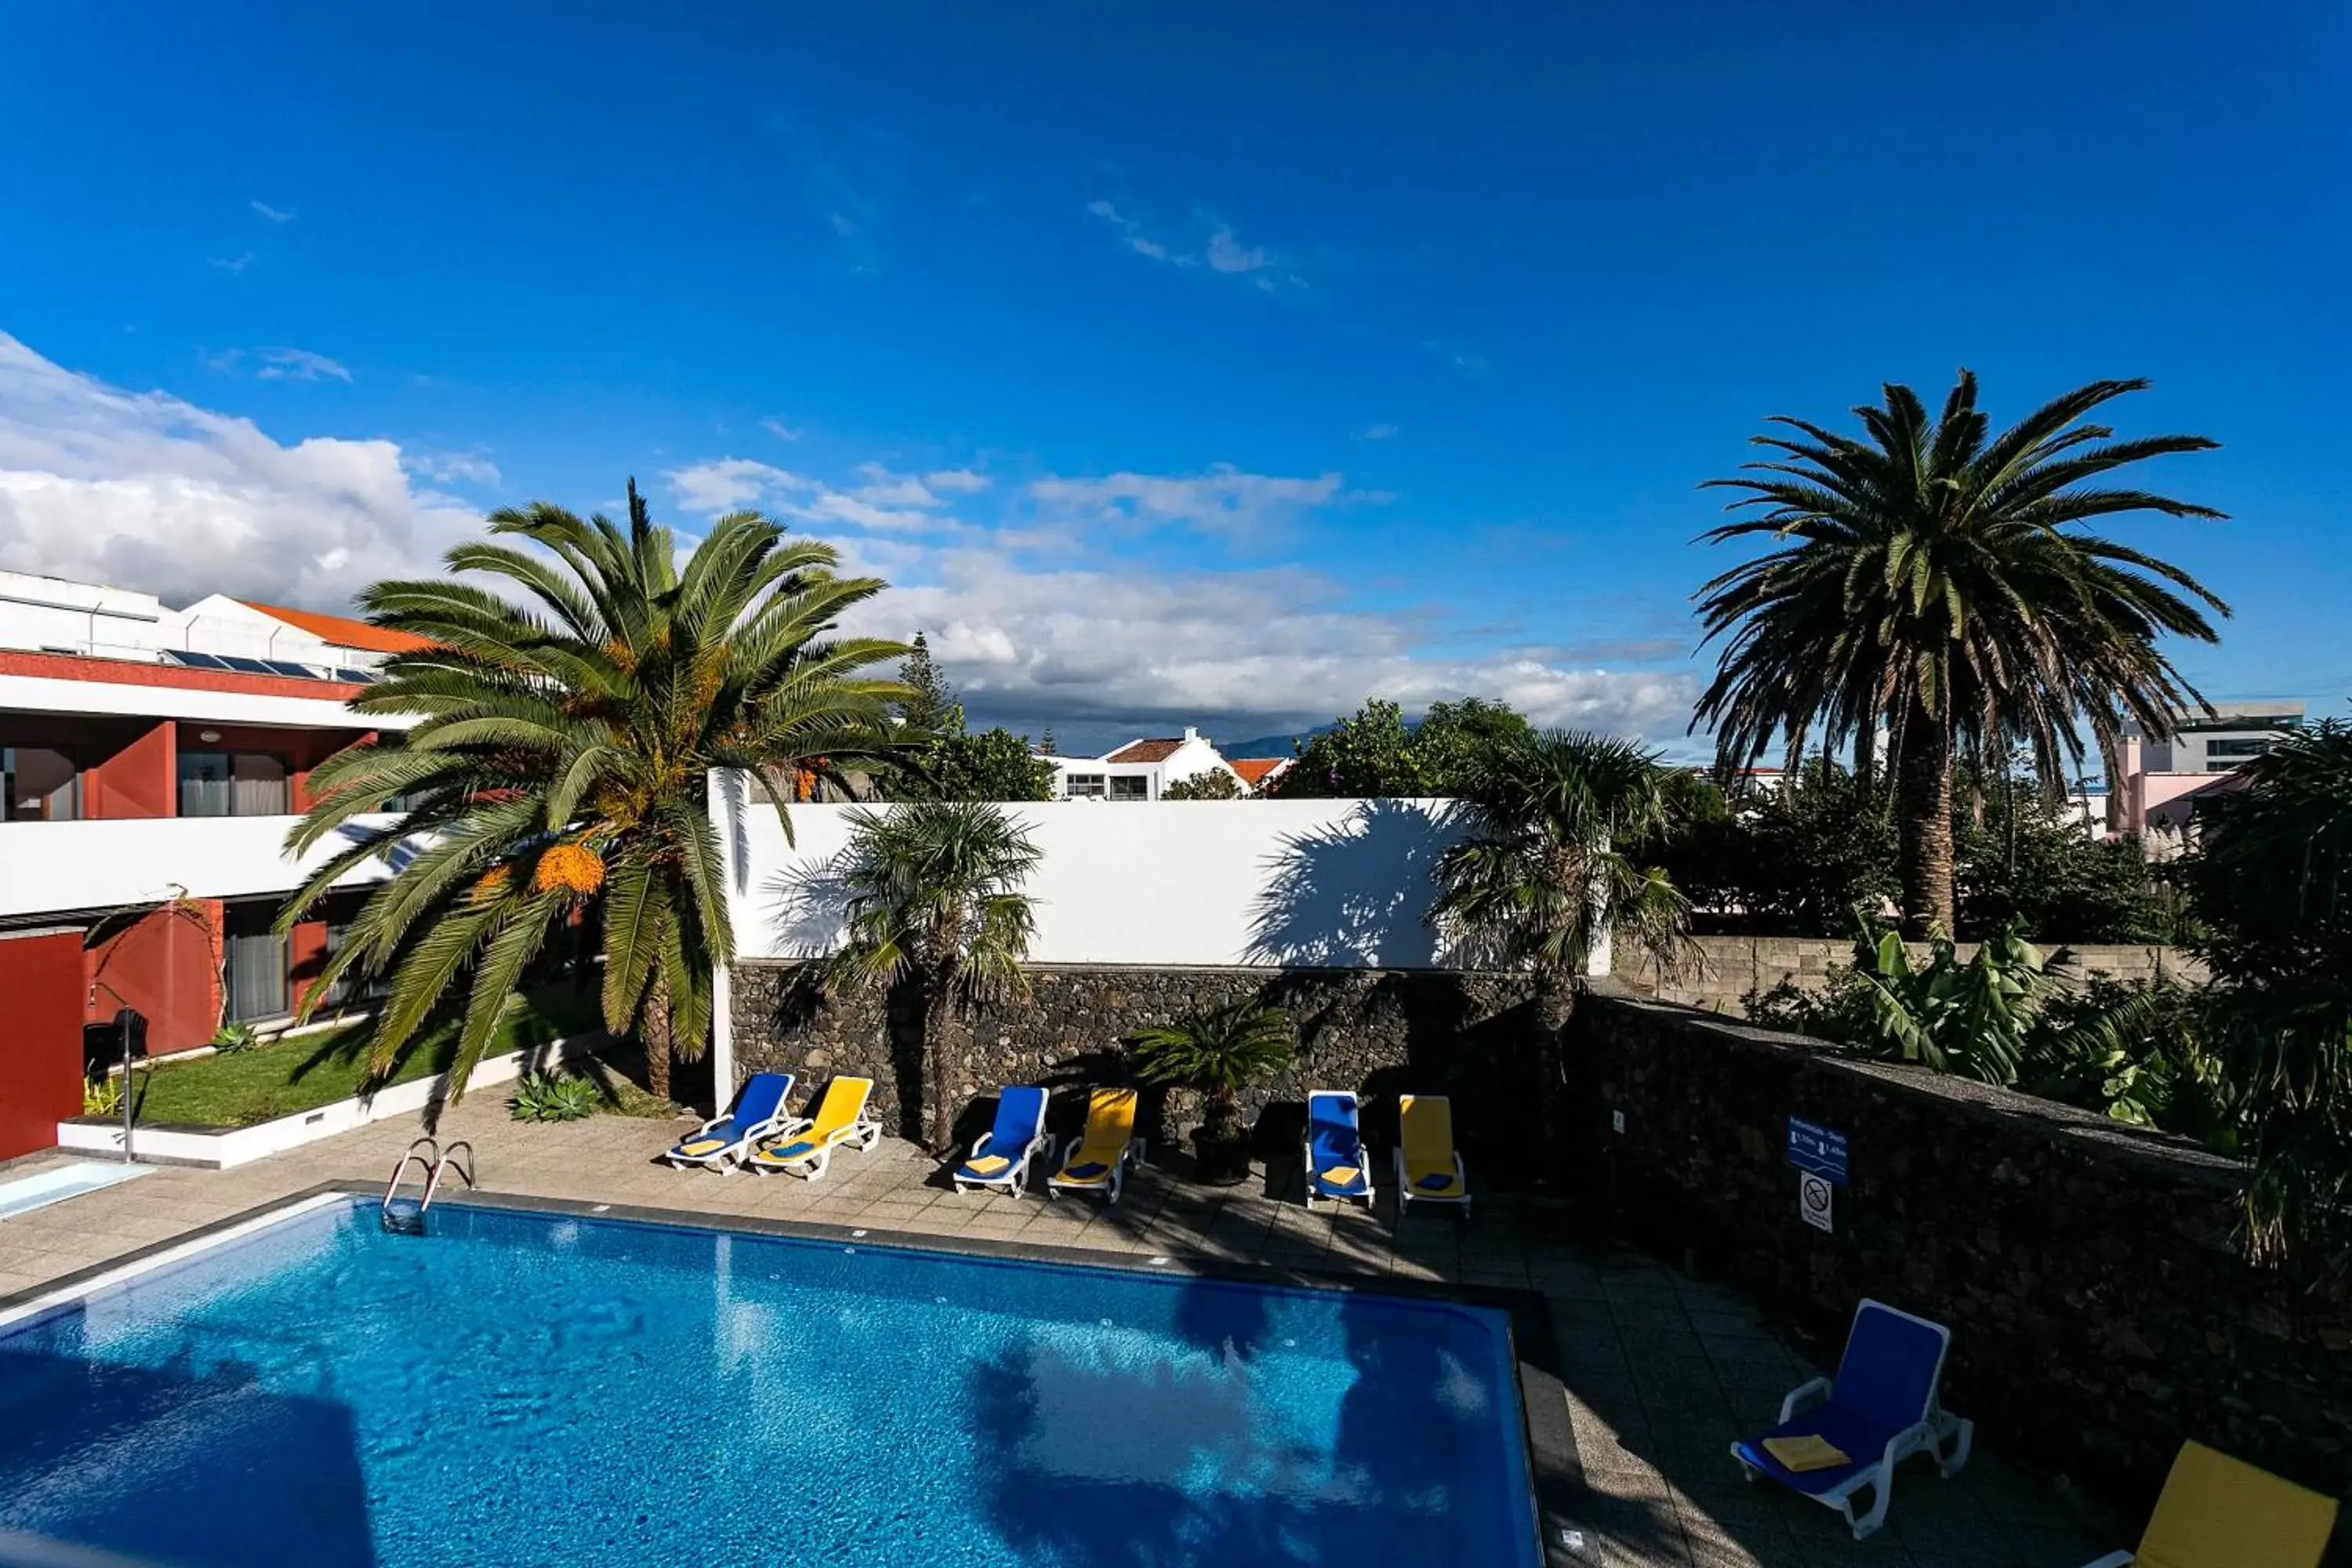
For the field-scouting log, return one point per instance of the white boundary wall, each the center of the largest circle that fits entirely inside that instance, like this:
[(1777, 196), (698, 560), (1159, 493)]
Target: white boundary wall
[(1323, 883)]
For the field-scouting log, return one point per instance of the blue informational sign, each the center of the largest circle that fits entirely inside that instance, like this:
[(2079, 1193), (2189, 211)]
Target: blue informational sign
[(1820, 1149)]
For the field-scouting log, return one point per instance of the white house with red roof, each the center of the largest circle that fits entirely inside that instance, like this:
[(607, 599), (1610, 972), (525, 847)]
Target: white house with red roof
[(1141, 770)]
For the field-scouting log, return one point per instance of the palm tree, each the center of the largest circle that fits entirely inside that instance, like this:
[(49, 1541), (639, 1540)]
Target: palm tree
[(1219, 1052), (561, 762), (934, 896), (1547, 870), (1923, 580), (2273, 883)]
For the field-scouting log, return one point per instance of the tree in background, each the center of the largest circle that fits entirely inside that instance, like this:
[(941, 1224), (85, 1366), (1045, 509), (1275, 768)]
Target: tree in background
[(1546, 863), (1793, 859), (1210, 783), (944, 760), (935, 896), (2020, 856), (561, 760), (2273, 883), (1375, 753), (1924, 579)]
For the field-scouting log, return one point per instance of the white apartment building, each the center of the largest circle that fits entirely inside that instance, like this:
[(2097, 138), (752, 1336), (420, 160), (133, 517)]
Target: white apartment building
[(1141, 770)]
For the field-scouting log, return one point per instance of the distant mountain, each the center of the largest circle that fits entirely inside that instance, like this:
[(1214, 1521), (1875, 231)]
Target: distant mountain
[(1271, 745)]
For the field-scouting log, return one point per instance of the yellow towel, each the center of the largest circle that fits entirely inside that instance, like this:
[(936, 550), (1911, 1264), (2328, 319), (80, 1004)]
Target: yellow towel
[(1798, 1455), (988, 1165), (1342, 1175), (702, 1146)]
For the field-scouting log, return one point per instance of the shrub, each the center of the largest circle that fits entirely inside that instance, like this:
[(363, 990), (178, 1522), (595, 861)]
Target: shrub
[(102, 1097), (1221, 1053), (1212, 783), (231, 1039), (551, 1096)]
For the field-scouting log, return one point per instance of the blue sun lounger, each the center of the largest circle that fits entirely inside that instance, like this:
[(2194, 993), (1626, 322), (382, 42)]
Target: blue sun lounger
[(718, 1143), (1838, 1436), (999, 1157), (1337, 1165)]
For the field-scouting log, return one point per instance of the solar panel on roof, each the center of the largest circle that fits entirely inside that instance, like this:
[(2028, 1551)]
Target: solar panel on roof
[(250, 665), (288, 667), (360, 677), (192, 661)]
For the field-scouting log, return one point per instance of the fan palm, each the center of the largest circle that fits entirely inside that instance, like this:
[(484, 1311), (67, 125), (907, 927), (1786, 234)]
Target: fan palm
[(1545, 872), (561, 760), (934, 896), (1924, 580)]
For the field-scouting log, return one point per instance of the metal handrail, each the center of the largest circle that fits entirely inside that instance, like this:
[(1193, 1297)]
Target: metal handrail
[(448, 1158), (433, 1162)]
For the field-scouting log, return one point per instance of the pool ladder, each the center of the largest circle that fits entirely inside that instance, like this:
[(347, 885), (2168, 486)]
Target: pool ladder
[(427, 1155)]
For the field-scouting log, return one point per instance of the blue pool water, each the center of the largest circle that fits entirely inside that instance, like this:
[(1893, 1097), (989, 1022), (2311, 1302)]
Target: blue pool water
[(523, 1388)]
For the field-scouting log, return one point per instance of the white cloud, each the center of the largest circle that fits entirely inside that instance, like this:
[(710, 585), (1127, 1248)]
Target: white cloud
[(1228, 254), (1240, 652), (956, 480), (473, 467), (297, 364), (727, 483), (145, 490), (780, 430), (234, 264), (1224, 499), (274, 215), (1213, 244), (1382, 432)]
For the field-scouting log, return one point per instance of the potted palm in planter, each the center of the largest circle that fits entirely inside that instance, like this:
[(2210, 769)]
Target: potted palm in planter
[(1220, 1053)]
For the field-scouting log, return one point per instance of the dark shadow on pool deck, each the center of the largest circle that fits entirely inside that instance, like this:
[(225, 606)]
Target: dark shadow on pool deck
[(194, 1468)]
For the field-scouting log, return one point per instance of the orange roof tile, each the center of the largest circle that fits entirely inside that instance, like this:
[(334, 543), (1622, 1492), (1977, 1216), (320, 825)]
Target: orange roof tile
[(1255, 770), (341, 630)]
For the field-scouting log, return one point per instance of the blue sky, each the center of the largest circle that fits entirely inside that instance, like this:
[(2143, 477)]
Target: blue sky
[(1219, 364)]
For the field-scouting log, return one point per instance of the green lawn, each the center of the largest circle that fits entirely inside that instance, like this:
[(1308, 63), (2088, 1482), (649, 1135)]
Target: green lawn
[(310, 1071)]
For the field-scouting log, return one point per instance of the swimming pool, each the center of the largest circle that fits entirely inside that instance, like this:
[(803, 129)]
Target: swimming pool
[(522, 1387)]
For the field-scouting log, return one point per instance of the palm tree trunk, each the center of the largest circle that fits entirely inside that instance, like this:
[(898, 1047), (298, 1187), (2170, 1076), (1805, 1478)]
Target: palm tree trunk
[(1926, 804), (654, 1032), (939, 1053)]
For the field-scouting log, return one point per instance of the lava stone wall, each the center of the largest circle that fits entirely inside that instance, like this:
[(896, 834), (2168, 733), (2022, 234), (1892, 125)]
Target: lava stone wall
[(1377, 1032), (2100, 1309)]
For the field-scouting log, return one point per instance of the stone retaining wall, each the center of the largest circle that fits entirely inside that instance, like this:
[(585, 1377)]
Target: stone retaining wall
[(2099, 1308), (1377, 1032), (1735, 966)]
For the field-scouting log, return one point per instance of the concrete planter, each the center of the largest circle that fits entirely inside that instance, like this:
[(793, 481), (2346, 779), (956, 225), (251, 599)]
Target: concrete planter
[(218, 1148)]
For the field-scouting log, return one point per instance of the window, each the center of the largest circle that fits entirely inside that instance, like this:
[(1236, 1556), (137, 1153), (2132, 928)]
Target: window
[(1083, 786), (1130, 786), (233, 783), (2258, 746), (42, 782), (254, 958)]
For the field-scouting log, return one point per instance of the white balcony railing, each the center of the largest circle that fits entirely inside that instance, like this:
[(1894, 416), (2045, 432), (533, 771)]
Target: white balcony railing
[(52, 867)]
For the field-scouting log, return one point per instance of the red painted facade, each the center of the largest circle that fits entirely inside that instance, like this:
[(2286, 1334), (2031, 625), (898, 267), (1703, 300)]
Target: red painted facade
[(134, 672), (166, 962), (40, 1049)]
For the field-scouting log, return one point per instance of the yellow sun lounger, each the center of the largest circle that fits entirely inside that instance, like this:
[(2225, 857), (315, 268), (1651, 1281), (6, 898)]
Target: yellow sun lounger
[(806, 1147), (1097, 1160), (2221, 1513), (1428, 1167)]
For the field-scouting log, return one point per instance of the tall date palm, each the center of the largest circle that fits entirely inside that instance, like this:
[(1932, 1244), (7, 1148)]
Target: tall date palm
[(558, 767), (1931, 578)]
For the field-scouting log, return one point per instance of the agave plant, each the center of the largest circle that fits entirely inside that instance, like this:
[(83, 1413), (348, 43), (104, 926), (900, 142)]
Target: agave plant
[(1220, 1053), (558, 769), (554, 1096)]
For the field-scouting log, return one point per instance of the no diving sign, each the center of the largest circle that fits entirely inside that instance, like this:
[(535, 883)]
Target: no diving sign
[(1814, 1195)]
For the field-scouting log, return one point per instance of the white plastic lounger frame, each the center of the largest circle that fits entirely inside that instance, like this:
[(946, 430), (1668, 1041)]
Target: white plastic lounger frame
[(1014, 1177), (861, 1133), (1112, 1183), (723, 1160), (1937, 1427)]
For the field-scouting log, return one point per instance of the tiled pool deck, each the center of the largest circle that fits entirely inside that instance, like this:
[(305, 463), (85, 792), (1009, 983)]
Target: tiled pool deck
[(1662, 1372)]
